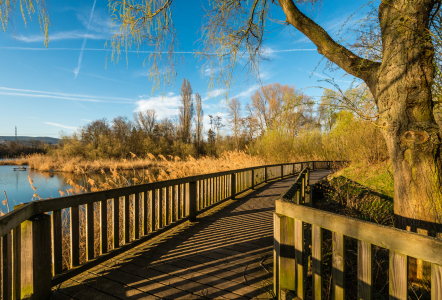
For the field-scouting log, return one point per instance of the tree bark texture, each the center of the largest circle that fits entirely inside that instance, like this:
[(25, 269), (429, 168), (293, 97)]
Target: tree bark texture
[(401, 85)]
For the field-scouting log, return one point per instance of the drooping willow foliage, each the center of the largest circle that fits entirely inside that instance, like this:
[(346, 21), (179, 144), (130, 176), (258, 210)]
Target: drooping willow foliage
[(27, 8)]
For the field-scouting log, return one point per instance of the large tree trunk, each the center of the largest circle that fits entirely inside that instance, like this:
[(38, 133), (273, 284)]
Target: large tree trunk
[(404, 98)]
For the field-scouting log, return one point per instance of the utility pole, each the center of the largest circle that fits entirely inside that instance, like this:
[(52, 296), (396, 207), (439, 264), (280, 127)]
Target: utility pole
[(16, 133)]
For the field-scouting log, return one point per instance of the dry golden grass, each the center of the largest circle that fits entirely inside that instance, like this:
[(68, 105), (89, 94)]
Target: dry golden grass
[(166, 167)]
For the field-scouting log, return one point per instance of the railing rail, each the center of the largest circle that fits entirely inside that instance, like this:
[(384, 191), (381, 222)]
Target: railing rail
[(297, 227), (46, 242)]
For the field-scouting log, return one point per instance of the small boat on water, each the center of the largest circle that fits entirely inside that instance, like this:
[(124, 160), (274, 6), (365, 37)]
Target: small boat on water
[(20, 169)]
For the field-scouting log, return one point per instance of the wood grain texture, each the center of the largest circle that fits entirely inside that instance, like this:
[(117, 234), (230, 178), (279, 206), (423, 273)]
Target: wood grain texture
[(365, 259), (288, 254), (338, 264), (436, 282), (167, 206), (174, 204), (152, 208), (90, 253), (137, 215), (127, 216), (56, 242), (6, 284), (398, 276), (16, 262), (116, 222), (159, 203), (317, 262), (301, 272), (146, 217), (409, 243), (276, 252), (103, 227), (75, 235)]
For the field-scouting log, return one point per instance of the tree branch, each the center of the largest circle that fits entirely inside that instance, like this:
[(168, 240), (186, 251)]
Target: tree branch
[(344, 58)]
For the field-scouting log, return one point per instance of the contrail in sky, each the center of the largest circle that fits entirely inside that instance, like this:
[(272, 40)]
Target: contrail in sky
[(84, 42)]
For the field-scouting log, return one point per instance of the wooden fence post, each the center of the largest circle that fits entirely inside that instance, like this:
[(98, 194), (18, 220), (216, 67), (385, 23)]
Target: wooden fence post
[(36, 258), (192, 201), (276, 254), (253, 179), (233, 186), (265, 174), (282, 171)]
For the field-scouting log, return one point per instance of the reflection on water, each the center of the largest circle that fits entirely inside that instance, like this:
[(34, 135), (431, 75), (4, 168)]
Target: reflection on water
[(17, 186)]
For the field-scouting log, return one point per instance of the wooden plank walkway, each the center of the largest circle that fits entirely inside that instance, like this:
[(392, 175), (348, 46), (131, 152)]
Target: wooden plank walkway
[(226, 254)]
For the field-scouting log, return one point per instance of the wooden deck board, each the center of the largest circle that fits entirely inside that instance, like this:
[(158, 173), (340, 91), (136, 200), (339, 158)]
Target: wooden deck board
[(217, 257)]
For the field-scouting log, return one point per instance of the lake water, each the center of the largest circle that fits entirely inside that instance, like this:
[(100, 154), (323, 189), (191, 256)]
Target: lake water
[(19, 190)]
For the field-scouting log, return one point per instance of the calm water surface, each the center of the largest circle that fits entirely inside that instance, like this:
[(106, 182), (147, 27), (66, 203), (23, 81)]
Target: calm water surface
[(18, 189)]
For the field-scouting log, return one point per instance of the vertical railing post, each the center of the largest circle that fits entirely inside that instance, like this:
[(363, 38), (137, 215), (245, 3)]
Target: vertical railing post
[(253, 179), (265, 174), (233, 186), (192, 201), (282, 171), (276, 254), (36, 257)]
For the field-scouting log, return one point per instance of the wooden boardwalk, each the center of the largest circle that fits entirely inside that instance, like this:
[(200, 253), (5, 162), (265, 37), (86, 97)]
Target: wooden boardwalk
[(226, 254)]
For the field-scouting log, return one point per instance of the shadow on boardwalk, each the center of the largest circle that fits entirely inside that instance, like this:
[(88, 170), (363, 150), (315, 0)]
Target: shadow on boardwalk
[(227, 254)]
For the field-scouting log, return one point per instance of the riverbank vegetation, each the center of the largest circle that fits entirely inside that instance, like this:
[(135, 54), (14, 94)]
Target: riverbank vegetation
[(279, 124)]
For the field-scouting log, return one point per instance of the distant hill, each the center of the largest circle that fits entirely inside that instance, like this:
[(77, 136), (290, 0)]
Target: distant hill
[(48, 140)]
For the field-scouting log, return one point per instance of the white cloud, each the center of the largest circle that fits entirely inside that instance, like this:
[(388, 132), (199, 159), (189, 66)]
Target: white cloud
[(248, 92), (87, 120), (60, 125), (213, 94), (164, 106), (63, 35), (65, 96)]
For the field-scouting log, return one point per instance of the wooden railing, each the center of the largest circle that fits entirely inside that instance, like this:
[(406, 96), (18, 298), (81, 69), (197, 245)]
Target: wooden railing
[(298, 233), (49, 241)]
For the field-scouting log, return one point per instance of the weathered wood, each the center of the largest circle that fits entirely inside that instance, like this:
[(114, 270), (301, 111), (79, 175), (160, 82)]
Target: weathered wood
[(167, 206), (317, 262), (36, 257), (137, 215), (436, 282), (126, 222), (365, 286), (146, 218), (282, 171), (338, 263), (185, 205), (301, 271), (90, 253), (253, 179), (116, 222), (287, 254), (276, 252), (409, 243), (232, 186), (174, 204), (192, 201), (16, 262), (180, 199), (7, 266), (153, 210), (160, 207), (398, 276), (56, 242), (75, 235), (14, 218), (103, 227)]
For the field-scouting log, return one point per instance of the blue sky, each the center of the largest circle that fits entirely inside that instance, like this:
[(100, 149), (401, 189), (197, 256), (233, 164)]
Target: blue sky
[(41, 94)]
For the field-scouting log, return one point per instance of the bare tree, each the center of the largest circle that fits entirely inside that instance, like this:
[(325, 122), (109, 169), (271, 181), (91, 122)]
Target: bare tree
[(198, 121), (187, 111), (146, 121), (234, 112)]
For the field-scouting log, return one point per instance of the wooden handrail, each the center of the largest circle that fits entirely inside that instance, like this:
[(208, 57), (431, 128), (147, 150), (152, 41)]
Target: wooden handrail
[(296, 227), (161, 205)]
